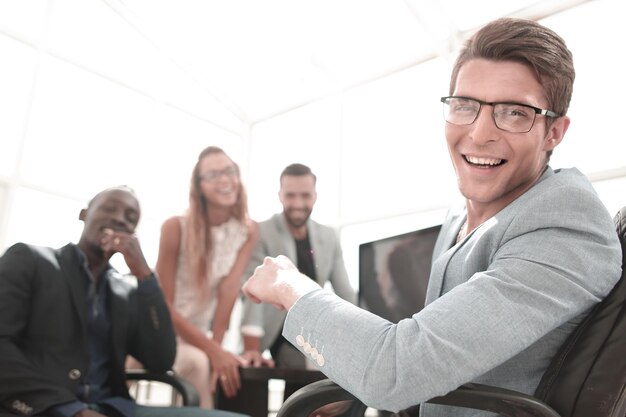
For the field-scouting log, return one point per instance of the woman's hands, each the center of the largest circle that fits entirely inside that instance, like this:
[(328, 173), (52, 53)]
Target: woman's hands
[(225, 369)]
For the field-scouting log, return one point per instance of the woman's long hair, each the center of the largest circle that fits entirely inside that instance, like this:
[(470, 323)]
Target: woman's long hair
[(198, 236)]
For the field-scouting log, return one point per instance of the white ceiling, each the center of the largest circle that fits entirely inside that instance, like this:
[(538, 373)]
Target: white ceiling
[(260, 58)]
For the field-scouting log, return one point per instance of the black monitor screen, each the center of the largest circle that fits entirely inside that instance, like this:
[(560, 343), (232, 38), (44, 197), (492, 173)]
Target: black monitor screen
[(394, 272)]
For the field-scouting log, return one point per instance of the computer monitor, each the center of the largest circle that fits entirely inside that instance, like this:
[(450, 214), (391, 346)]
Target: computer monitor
[(394, 272)]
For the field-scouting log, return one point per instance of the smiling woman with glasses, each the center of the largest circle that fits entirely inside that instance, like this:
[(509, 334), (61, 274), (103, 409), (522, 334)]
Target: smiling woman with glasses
[(510, 117), (202, 255)]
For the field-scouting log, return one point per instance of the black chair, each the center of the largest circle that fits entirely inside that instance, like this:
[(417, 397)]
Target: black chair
[(183, 392), (587, 378)]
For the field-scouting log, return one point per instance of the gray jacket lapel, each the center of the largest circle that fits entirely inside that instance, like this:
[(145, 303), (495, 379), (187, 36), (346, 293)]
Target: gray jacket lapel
[(444, 249)]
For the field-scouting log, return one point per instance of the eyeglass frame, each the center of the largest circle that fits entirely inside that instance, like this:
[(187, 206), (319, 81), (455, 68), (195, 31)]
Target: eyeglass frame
[(537, 110), (215, 174)]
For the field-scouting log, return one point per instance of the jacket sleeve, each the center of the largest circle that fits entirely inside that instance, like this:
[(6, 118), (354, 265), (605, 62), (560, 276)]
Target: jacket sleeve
[(152, 339), (511, 314), (24, 389)]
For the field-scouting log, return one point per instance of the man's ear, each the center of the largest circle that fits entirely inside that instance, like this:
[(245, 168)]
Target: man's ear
[(82, 214), (556, 132)]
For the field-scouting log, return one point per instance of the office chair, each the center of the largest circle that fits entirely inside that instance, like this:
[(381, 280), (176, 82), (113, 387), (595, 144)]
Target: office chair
[(587, 378), (183, 393)]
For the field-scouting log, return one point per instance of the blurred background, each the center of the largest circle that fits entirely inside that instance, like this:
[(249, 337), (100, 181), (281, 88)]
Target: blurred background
[(96, 93)]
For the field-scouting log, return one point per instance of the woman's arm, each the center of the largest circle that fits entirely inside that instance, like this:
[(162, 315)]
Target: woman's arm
[(224, 365), (166, 266), (230, 286)]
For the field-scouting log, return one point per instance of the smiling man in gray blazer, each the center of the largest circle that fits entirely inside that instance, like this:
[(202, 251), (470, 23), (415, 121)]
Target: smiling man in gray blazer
[(312, 246), (514, 270)]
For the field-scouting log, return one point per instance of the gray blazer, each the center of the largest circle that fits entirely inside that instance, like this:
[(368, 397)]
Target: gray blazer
[(275, 239), (499, 303)]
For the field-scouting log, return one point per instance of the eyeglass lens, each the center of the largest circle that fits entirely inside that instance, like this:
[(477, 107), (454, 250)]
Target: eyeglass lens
[(212, 175), (512, 117)]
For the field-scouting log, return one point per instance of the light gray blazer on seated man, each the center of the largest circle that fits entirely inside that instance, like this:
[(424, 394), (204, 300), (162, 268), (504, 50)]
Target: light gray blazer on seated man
[(499, 303), (275, 239)]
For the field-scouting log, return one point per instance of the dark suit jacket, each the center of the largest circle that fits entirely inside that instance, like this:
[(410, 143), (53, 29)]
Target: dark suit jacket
[(43, 346)]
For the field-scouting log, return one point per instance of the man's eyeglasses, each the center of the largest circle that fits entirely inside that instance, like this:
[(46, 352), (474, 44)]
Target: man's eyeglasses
[(212, 175), (510, 117)]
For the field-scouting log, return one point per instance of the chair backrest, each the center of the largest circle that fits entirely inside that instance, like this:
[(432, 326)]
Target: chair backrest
[(588, 376)]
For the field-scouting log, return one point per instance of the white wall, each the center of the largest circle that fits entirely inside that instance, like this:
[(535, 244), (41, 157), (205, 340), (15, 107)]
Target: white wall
[(88, 103)]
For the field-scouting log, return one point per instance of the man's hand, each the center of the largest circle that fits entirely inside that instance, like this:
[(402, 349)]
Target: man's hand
[(278, 282), (128, 245), (255, 359), (88, 412)]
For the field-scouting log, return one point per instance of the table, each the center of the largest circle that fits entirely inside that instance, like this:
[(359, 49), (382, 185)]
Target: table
[(252, 398)]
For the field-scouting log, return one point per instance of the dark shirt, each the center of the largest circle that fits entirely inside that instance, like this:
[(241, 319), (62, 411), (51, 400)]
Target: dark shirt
[(93, 387), (305, 261)]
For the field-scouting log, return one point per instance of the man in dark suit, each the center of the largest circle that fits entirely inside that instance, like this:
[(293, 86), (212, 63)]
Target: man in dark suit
[(68, 320)]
